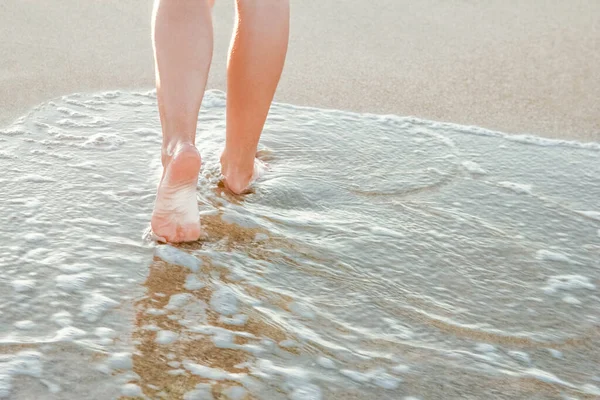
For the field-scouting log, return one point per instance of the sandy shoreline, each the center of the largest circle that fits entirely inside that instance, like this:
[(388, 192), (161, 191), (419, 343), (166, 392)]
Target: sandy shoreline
[(514, 68)]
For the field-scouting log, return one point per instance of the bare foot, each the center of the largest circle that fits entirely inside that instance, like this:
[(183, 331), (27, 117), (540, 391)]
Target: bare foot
[(175, 217), (240, 174)]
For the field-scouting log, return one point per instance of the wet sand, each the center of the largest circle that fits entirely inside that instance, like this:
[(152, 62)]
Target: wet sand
[(517, 68)]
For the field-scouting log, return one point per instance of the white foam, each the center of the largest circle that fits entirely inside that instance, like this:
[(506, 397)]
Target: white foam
[(25, 325), (62, 318), (379, 230), (146, 132), (473, 168), (202, 391), (177, 257), (224, 301), (306, 391), (23, 285), (568, 282), (571, 300), (591, 389), (591, 214), (326, 362), (120, 361), (178, 300), (356, 376), (96, 305), (25, 363), (547, 255), (68, 334), (545, 376), (235, 392), (166, 337), (131, 390), (485, 348), (193, 283), (216, 374), (400, 369), (385, 380), (519, 188), (555, 353), (105, 333), (236, 320), (72, 283), (34, 178), (34, 237), (260, 237), (521, 356), (289, 343)]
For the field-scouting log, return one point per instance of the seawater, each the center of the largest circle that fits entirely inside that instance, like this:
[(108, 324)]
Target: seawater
[(379, 257)]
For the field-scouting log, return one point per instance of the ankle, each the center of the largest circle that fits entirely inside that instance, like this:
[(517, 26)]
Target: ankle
[(235, 159), (172, 147)]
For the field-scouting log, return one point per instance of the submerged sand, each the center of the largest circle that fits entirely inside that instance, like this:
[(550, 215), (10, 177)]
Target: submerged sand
[(515, 67)]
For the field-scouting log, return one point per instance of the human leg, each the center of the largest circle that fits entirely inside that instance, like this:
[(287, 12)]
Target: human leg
[(183, 43), (256, 57)]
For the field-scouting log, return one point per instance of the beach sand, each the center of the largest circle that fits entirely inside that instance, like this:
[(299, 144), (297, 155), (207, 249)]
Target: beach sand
[(515, 67)]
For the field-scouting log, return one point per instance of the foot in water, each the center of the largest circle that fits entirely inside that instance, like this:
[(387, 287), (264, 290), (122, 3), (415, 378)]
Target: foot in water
[(175, 217), (239, 175)]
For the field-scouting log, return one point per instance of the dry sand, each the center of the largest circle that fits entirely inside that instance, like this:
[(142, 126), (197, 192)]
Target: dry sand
[(527, 67)]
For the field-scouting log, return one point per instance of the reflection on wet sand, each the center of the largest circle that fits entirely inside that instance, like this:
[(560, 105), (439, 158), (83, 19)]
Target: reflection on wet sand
[(177, 329)]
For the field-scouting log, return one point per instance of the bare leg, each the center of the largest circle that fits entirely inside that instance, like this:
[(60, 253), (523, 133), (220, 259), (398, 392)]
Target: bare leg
[(183, 44), (256, 58)]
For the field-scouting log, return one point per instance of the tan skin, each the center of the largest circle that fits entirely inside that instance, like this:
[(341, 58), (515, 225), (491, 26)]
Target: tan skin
[(183, 44)]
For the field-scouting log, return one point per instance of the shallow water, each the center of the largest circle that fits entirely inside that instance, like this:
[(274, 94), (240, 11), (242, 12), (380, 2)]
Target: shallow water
[(378, 258)]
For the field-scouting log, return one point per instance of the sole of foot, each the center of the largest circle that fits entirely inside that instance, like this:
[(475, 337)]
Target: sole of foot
[(175, 218)]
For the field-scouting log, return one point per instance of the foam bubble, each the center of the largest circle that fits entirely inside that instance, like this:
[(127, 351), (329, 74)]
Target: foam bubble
[(381, 231), (203, 371), (235, 392), (177, 257), (166, 337), (202, 391), (473, 168), (356, 376), (326, 362), (34, 178), (485, 348), (568, 282), (519, 188), (120, 361), (25, 325), (547, 255), (68, 334), (521, 356), (62, 318), (72, 283), (385, 381), (571, 300), (96, 305), (591, 214), (224, 301), (24, 363), (307, 391), (131, 390), (105, 333), (23, 285), (178, 300), (34, 237), (236, 320)]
